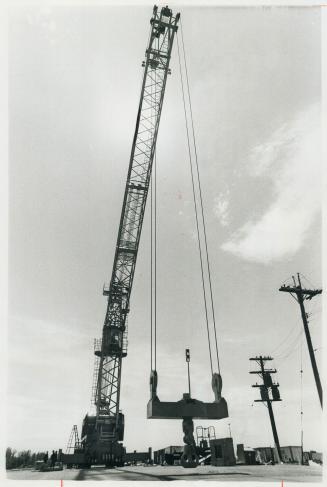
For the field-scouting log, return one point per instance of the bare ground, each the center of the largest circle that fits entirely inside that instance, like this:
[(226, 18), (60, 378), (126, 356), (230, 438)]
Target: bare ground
[(261, 473)]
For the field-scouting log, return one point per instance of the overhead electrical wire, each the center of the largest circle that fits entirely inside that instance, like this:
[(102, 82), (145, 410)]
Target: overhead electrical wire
[(308, 280), (291, 348), (301, 396), (284, 340)]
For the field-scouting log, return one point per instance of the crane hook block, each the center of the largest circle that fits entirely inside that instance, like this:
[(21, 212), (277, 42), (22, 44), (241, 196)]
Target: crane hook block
[(187, 407), (153, 384), (217, 384)]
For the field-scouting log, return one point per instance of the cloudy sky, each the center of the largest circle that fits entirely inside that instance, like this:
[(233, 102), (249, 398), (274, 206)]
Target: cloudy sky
[(75, 75)]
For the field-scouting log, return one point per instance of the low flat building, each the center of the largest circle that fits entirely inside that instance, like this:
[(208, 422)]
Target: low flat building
[(315, 456), (266, 454), (170, 455), (246, 455), (136, 457), (290, 454), (222, 452)]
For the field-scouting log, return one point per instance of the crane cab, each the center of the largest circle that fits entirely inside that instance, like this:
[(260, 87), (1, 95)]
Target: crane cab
[(113, 343)]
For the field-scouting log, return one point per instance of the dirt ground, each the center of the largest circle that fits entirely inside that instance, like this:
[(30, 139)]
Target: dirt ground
[(272, 473)]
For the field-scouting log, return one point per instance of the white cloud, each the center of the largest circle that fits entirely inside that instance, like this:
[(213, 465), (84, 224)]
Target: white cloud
[(291, 159), (43, 18), (221, 207)]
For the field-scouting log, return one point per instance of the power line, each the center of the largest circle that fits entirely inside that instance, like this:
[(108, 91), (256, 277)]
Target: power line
[(301, 399), (284, 340), (290, 349)]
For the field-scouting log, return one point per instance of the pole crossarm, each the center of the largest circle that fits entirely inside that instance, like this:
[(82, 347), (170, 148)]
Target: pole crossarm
[(270, 371), (265, 358), (308, 293), (262, 400)]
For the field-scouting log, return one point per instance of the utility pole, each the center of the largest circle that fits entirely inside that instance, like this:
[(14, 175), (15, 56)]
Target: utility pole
[(301, 294), (268, 385)]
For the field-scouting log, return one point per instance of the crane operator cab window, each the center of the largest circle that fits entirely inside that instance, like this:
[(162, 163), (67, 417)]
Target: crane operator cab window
[(115, 339)]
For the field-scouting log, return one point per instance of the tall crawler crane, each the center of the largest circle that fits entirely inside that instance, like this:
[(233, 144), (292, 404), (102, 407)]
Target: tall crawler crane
[(102, 432)]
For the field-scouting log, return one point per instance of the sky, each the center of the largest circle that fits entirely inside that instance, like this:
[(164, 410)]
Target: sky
[(74, 82)]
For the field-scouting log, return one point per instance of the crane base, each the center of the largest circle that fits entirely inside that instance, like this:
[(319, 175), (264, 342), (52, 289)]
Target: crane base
[(187, 408)]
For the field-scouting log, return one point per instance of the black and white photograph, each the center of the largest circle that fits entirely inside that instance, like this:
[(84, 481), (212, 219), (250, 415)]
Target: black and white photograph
[(164, 258)]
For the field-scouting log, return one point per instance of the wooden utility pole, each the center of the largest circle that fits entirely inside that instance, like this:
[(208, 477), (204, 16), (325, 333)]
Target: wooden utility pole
[(268, 385), (301, 294)]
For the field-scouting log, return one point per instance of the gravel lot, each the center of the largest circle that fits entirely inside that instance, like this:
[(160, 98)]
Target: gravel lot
[(272, 473)]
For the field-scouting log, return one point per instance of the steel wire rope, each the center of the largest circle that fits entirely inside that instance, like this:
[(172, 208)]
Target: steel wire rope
[(153, 233), (201, 200), (151, 260), (155, 226), (195, 206), (151, 277), (155, 261)]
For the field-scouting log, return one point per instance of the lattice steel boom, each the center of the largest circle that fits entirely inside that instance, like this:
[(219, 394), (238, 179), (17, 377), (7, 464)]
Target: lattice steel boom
[(107, 425)]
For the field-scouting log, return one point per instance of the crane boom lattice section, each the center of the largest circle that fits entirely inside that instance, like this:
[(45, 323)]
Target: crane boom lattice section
[(114, 338)]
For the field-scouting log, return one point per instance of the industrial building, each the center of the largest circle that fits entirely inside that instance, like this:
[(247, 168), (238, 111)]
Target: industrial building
[(222, 452), (169, 455), (268, 455), (218, 452), (137, 457)]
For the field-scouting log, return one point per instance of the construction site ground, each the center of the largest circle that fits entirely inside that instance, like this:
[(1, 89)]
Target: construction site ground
[(287, 473)]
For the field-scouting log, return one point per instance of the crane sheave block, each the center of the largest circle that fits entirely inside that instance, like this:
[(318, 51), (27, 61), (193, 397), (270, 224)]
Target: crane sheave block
[(187, 408)]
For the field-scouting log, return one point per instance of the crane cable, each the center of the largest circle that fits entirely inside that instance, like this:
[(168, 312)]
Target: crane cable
[(196, 204), (153, 243), (155, 262), (153, 267), (151, 276), (195, 207), (201, 199), (153, 226), (199, 190)]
